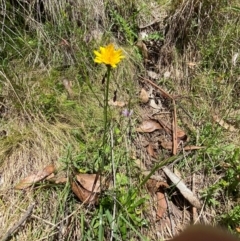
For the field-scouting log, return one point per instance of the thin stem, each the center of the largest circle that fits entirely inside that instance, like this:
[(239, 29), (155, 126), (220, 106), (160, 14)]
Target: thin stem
[(114, 185), (105, 110)]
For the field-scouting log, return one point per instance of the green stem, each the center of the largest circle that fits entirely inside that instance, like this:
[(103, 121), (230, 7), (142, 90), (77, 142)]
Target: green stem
[(105, 110), (106, 120), (159, 166)]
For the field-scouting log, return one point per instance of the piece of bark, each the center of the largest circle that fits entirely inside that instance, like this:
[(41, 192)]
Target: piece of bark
[(185, 191)]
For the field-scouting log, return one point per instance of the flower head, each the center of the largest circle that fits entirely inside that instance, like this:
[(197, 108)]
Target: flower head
[(108, 55), (127, 113)]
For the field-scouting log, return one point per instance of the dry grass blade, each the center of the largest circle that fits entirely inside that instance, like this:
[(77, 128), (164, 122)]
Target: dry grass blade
[(191, 148), (174, 126)]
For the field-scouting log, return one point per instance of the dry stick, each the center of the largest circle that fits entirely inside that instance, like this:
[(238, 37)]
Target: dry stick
[(12, 230), (174, 127), (34, 216), (185, 191), (164, 93)]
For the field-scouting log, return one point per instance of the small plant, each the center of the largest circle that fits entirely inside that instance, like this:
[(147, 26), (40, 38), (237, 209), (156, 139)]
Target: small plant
[(232, 219), (126, 28)]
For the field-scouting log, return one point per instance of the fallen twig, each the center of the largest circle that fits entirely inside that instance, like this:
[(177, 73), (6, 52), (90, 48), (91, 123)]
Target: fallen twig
[(12, 230), (186, 192), (164, 93)]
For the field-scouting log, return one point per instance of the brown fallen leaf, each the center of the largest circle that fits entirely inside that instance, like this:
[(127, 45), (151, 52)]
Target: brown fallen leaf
[(144, 96), (168, 145), (148, 126), (151, 151), (181, 135), (154, 185), (87, 181), (30, 180), (190, 148), (161, 204), (87, 197)]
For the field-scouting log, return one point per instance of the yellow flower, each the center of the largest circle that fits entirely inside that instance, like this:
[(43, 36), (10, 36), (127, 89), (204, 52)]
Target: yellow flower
[(108, 55)]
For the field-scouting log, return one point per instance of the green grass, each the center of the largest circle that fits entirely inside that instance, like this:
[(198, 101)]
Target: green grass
[(45, 123)]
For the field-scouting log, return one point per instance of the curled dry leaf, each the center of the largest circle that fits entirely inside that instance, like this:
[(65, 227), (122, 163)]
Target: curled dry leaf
[(144, 96), (181, 135), (154, 185), (156, 189), (84, 195), (87, 181), (30, 180), (88, 187), (168, 145), (161, 204), (148, 126), (151, 151)]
